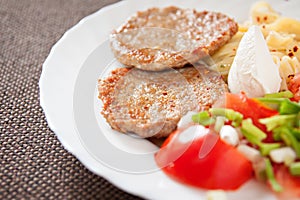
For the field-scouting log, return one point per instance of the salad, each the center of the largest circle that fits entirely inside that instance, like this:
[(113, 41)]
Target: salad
[(253, 132), (239, 139)]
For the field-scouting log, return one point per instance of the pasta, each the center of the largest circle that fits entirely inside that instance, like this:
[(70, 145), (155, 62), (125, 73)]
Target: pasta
[(224, 57), (288, 66), (282, 35), (263, 13)]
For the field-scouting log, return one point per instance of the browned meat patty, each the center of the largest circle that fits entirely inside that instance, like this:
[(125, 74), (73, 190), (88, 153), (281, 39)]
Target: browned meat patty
[(151, 103), (160, 38)]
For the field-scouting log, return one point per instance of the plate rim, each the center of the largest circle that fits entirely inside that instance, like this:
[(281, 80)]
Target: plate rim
[(43, 80)]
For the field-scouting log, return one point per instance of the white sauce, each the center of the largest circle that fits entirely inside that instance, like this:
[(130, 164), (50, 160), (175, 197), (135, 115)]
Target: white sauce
[(253, 70)]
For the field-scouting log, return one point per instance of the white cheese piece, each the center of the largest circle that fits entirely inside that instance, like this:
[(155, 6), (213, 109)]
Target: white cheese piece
[(283, 155), (229, 135), (253, 70), (252, 154)]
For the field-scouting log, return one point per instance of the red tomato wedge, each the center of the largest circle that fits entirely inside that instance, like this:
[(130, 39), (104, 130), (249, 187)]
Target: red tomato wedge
[(250, 108), (291, 184), (196, 156)]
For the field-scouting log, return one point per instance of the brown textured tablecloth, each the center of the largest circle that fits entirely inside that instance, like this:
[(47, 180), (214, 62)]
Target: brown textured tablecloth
[(33, 163)]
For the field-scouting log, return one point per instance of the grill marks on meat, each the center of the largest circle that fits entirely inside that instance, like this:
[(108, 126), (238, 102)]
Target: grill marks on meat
[(160, 38), (151, 103)]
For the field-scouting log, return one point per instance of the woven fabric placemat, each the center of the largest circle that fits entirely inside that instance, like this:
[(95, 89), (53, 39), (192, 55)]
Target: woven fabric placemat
[(33, 163)]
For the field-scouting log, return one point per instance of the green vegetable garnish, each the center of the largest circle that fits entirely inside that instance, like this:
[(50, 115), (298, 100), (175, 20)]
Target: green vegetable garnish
[(252, 133), (295, 169), (284, 94), (270, 100), (230, 114), (265, 148), (271, 178), (284, 126), (281, 102), (296, 132), (290, 140), (289, 107), (276, 133), (203, 118), (278, 120)]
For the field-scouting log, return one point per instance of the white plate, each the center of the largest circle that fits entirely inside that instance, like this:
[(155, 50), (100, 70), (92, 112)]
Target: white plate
[(68, 96)]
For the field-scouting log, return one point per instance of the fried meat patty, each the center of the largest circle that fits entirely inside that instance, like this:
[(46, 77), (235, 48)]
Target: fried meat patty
[(151, 103), (160, 38)]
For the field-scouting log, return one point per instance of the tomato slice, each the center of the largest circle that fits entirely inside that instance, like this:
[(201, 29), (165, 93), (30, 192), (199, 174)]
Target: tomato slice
[(291, 184), (250, 108), (204, 161)]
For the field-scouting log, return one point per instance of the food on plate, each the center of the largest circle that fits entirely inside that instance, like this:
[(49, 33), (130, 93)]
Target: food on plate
[(162, 38), (151, 103), (197, 156), (282, 35), (243, 138), (253, 70), (262, 134), (216, 140), (149, 97)]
